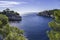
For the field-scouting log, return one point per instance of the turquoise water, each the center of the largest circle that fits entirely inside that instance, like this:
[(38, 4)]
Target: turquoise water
[(35, 27)]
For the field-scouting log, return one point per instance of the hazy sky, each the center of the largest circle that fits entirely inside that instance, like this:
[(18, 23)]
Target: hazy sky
[(23, 6)]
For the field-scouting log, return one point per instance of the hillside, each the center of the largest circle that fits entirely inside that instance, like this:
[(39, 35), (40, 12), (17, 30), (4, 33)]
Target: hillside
[(48, 13)]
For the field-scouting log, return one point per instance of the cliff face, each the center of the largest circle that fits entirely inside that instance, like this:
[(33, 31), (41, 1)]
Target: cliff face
[(48, 13), (44, 13), (12, 16)]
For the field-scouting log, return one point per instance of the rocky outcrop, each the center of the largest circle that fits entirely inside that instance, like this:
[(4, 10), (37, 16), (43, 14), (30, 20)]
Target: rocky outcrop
[(12, 16), (48, 13)]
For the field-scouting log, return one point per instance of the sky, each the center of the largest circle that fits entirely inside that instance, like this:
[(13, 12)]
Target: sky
[(24, 6)]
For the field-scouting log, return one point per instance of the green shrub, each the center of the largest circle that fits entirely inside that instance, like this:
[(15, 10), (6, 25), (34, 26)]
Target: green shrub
[(54, 34), (8, 32)]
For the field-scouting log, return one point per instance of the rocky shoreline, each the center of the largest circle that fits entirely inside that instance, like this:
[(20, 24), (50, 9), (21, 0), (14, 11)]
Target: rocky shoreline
[(48, 13), (12, 15)]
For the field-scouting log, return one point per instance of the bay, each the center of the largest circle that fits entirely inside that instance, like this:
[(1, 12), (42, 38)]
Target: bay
[(34, 26)]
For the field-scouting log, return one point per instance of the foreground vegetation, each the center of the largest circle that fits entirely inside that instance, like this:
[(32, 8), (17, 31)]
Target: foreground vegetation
[(54, 33), (8, 32)]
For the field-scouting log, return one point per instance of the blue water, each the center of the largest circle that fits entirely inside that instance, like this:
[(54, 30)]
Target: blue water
[(35, 27)]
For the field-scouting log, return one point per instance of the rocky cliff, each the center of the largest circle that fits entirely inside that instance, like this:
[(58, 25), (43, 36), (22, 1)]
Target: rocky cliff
[(48, 13), (12, 16)]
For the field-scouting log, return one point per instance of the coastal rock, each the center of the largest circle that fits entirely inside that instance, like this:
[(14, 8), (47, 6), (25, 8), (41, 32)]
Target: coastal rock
[(48, 13), (12, 16)]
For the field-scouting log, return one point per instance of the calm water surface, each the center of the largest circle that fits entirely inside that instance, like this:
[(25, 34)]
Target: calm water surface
[(35, 27)]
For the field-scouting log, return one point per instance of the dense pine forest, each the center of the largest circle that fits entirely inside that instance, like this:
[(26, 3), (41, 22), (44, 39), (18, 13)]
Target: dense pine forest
[(8, 32), (54, 33)]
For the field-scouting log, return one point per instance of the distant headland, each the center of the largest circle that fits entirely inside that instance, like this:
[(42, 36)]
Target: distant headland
[(48, 13)]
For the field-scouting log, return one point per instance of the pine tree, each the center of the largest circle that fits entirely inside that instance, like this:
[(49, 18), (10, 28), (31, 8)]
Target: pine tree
[(54, 33), (8, 32)]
